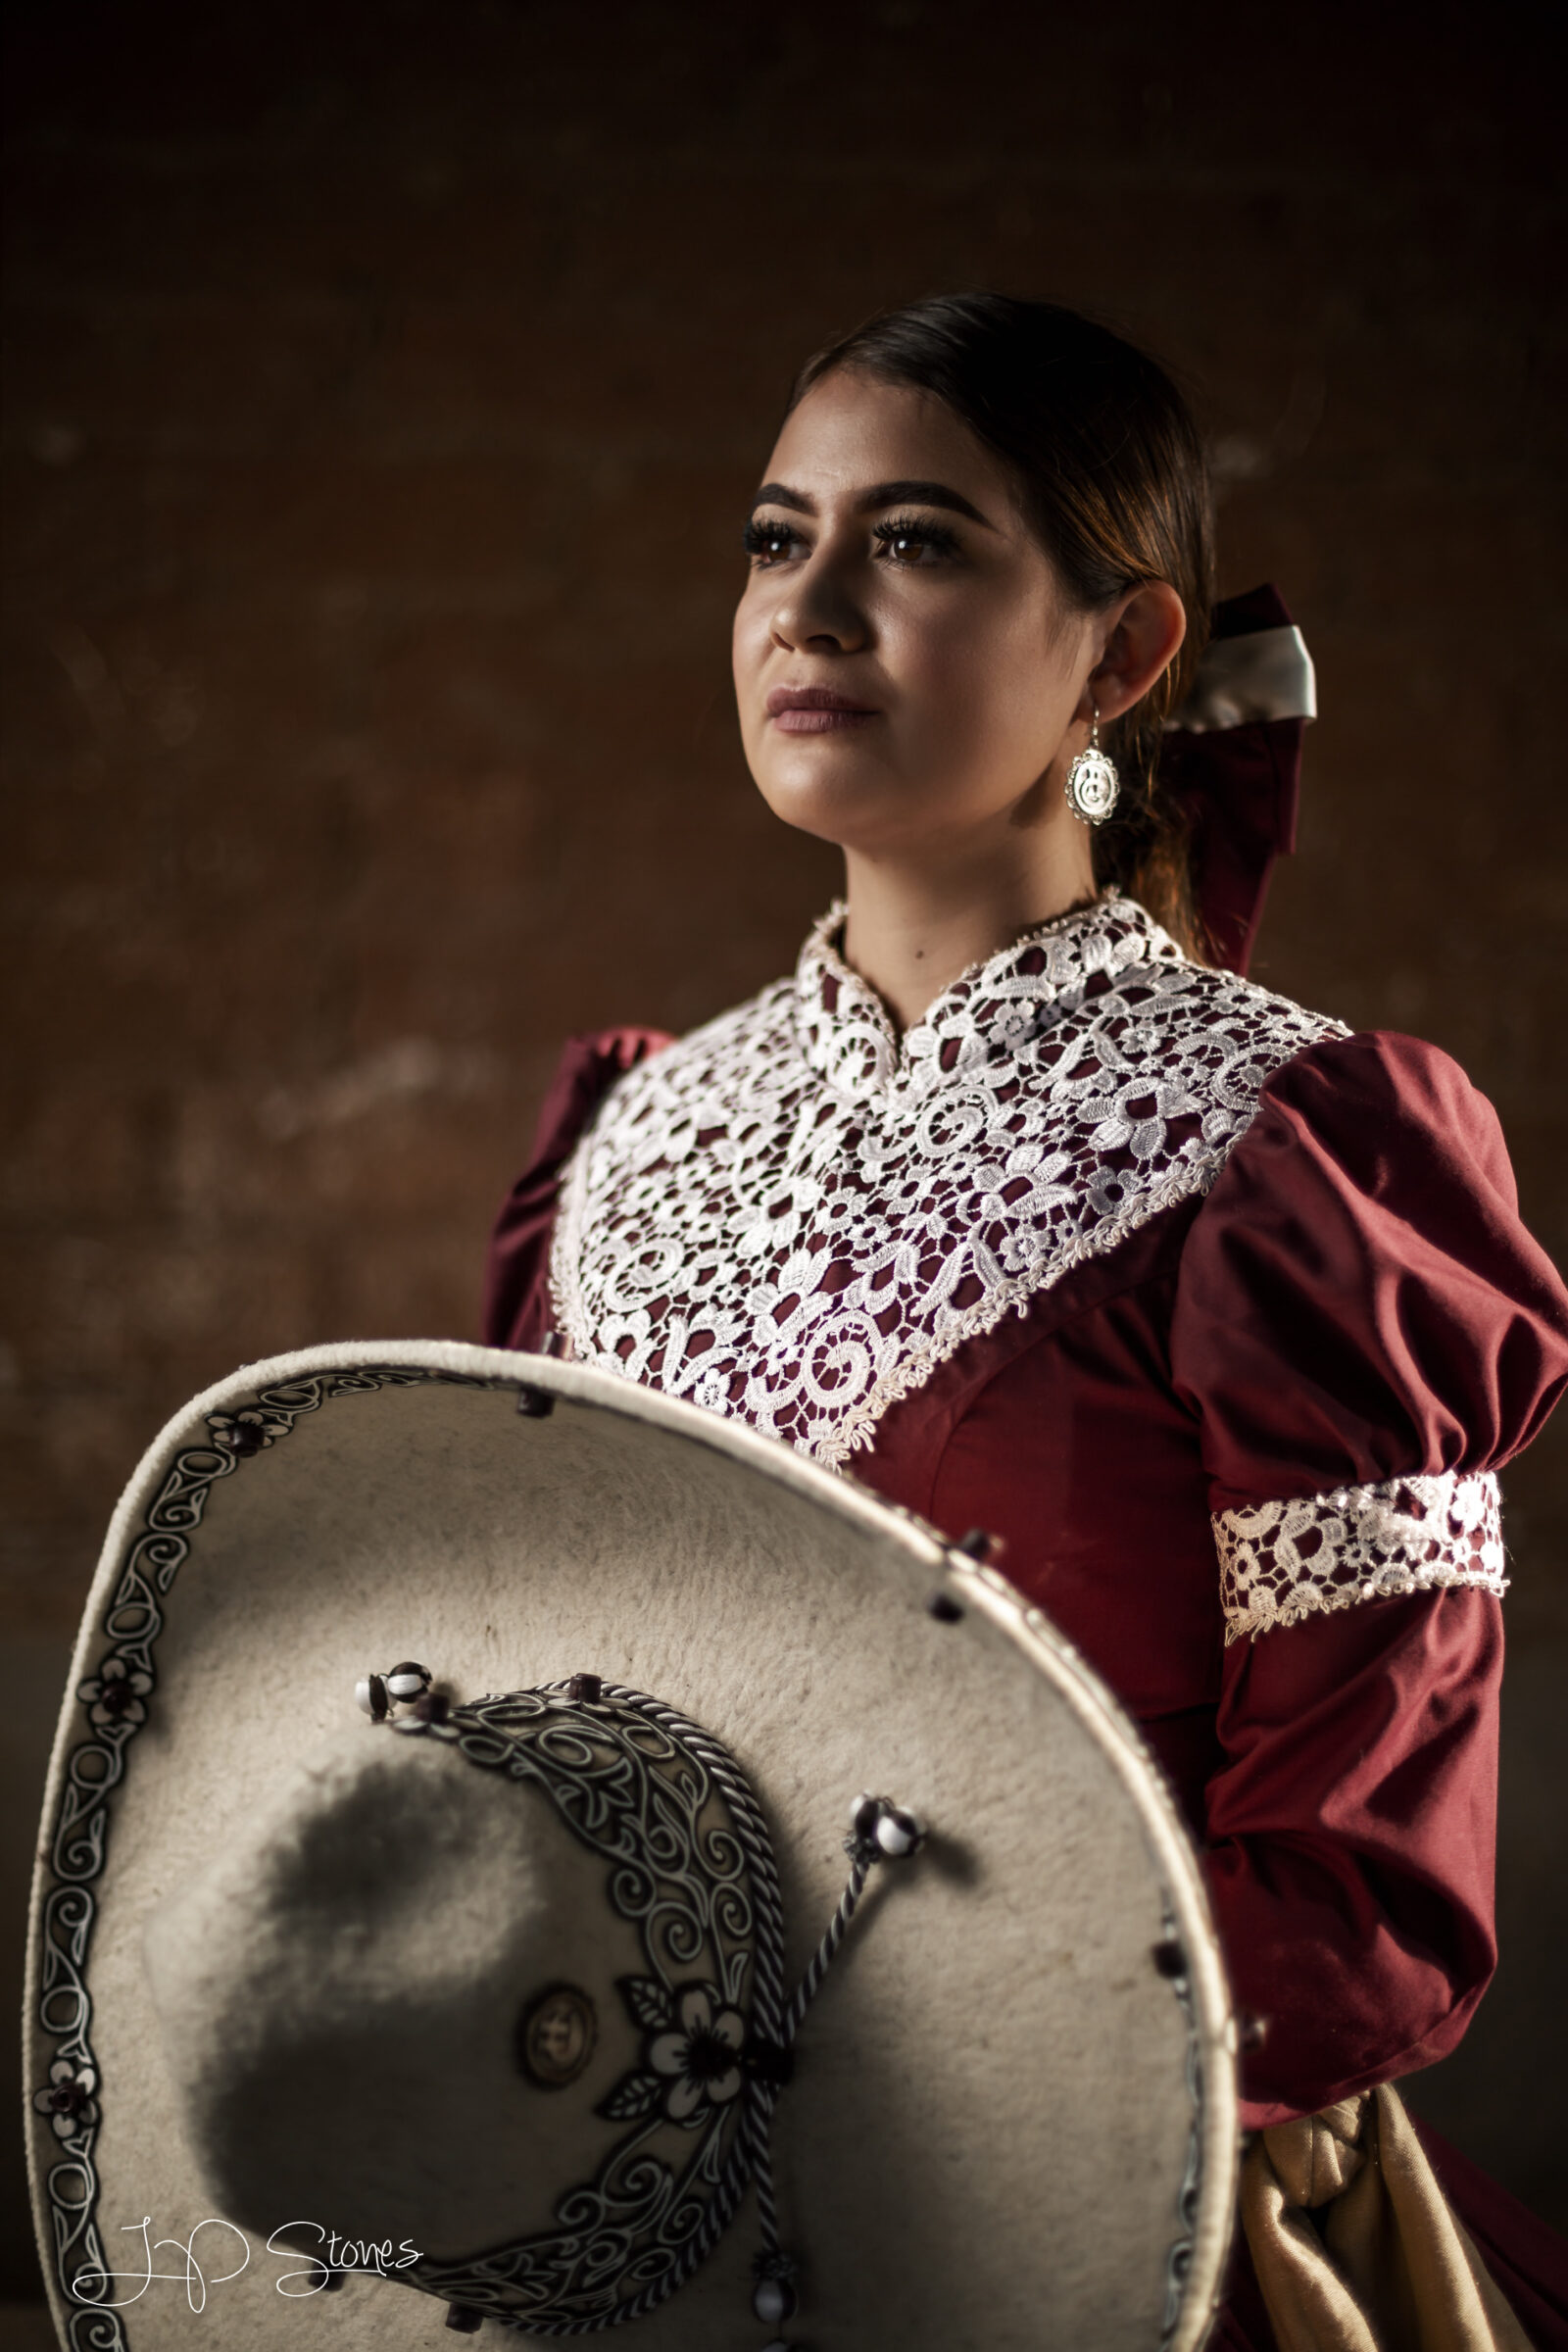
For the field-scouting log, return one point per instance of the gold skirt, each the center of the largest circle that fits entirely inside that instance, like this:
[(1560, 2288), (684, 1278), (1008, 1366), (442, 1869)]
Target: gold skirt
[(1357, 2248)]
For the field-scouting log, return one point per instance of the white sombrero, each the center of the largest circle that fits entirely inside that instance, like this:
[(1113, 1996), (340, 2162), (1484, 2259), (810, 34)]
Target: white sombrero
[(518, 1994)]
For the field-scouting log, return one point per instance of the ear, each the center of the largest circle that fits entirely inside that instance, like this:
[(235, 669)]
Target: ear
[(1144, 636)]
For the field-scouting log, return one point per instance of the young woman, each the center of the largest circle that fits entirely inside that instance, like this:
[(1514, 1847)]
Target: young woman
[(1017, 1204)]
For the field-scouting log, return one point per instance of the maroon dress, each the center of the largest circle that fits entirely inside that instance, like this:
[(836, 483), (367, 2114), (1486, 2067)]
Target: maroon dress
[(1223, 1319)]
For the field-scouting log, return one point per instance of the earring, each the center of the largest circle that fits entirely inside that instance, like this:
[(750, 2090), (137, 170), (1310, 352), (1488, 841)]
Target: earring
[(1092, 780)]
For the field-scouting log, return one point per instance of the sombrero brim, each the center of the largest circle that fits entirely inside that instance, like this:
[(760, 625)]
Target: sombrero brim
[(1008, 2129)]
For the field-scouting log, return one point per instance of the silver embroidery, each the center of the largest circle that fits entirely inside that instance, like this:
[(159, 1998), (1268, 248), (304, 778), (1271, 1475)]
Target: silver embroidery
[(1282, 1561), (793, 1218)]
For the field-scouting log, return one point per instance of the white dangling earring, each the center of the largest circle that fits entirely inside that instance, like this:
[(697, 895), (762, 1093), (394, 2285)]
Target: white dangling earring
[(1092, 783)]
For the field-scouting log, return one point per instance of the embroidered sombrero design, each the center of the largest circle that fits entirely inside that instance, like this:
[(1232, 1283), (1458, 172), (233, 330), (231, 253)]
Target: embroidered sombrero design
[(523, 1995)]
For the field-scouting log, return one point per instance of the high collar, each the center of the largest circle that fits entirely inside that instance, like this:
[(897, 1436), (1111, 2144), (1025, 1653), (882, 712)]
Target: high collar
[(989, 1012)]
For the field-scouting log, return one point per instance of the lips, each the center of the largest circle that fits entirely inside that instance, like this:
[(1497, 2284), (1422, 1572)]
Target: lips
[(815, 710)]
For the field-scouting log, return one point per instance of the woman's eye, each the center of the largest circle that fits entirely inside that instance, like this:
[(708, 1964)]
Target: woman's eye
[(910, 543), (905, 542), (769, 542)]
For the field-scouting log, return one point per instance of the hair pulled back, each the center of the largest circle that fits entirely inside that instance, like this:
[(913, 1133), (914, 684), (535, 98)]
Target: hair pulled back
[(1109, 475)]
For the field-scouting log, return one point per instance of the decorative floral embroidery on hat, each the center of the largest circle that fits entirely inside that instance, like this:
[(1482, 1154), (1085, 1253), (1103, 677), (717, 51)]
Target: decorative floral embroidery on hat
[(248, 1431), (701, 2057), (66, 2098), (691, 2056), (115, 1693)]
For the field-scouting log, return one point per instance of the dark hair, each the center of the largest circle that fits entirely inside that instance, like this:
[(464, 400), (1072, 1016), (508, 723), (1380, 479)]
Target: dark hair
[(1110, 476)]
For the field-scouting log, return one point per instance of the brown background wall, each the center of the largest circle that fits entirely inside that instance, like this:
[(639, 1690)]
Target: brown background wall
[(386, 382)]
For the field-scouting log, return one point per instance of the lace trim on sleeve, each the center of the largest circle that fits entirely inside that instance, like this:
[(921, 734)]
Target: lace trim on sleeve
[(1282, 1561)]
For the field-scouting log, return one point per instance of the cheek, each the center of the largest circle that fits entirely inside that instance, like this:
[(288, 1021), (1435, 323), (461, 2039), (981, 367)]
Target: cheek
[(973, 674), (749, 638)]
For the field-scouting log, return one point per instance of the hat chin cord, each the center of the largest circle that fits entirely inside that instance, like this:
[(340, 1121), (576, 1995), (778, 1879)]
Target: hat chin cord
[(880, 1830)]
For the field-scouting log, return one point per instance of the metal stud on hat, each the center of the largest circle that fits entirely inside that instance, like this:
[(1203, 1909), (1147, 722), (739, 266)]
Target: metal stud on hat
[(408, 1682), (409, 1687), (370, 1696)]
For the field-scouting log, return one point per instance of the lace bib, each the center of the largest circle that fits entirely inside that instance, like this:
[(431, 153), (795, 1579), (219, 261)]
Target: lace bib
[(793, 1217)]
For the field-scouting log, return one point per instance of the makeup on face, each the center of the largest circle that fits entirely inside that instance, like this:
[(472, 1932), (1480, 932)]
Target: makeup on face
[(817, 710), (901, 678), (903, 541)]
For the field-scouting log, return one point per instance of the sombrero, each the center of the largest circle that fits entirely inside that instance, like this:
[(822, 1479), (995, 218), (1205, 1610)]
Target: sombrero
[(535, 1970)]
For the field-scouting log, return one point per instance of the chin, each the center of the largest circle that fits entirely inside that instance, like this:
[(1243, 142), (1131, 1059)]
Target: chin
[(835, 787), (852, 811)]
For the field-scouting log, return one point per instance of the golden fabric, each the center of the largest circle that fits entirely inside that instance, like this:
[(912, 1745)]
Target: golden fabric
[(1355, 2247)]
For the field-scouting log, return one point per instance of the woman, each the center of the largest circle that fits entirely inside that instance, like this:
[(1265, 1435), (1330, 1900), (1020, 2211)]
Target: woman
[(1013, 1204)]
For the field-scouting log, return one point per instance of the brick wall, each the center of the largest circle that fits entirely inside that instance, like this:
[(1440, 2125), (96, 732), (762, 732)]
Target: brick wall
[(385, 386)]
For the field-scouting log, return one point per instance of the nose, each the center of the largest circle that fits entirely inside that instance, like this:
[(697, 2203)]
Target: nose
[(817, 610)]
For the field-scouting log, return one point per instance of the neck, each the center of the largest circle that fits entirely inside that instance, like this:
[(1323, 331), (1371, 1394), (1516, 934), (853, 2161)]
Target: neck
[(911, 931)]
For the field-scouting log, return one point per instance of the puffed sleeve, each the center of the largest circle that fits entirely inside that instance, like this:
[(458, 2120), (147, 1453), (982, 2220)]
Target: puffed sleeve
[(1364, 1332), (517, 1291)]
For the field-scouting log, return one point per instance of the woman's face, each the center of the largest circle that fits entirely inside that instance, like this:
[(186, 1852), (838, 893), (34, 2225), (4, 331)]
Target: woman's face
[(907, 665)]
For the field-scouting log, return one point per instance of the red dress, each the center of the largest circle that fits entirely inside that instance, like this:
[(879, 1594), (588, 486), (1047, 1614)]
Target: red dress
[(1221, 1318)]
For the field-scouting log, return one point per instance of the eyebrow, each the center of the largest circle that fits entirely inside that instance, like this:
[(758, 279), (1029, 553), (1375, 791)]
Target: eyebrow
[(882, 494)]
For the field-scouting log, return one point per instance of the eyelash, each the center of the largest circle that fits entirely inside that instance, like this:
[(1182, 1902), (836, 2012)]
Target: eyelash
[(934, 535), (759, 537)]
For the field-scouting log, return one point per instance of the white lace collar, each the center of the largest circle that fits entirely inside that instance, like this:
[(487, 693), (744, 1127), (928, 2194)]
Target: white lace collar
[(794, 1219), (991, 1008)]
